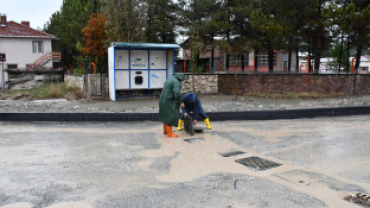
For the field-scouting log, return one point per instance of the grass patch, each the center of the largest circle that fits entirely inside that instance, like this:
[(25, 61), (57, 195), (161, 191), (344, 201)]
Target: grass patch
[(46, 91)]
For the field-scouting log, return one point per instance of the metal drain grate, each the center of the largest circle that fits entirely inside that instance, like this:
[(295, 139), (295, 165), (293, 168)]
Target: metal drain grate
[(230, 154), (193, 140), (257, 163)]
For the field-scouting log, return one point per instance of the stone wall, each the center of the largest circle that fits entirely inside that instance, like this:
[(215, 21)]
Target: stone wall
[(294, 83), (204, 84)]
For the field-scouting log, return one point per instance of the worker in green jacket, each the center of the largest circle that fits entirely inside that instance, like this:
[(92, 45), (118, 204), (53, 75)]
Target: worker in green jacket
[(169, 103)]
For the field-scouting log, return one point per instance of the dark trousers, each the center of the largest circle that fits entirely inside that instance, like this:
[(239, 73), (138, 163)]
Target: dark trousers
[(187, 110)]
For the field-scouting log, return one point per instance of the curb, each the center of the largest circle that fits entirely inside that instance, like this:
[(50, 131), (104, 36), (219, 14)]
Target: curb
[(213, 116)]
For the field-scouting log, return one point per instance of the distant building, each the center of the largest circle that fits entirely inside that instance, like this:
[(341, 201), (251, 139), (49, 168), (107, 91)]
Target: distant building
[(328, 65), (235, 62)]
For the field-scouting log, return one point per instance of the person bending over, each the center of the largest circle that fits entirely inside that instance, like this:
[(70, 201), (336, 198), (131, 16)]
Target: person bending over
[(192, 104)]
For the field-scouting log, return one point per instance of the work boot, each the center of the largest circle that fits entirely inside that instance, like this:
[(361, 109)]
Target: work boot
[(169, 132), (180, 124), (207, 123), (164, 128)]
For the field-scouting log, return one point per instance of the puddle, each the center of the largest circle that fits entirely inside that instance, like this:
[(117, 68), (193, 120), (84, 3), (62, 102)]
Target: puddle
[(199, 157)]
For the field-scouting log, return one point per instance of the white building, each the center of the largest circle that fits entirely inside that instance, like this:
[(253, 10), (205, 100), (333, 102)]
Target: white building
[(25, 46)]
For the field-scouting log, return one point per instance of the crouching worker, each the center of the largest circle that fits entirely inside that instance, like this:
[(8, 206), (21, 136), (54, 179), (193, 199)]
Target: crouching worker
[(192, 104), (169, 103)]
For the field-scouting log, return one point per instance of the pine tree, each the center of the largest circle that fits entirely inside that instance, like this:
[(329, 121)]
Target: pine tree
[(67, 25), (352, 17), (125, 20), (161, 21)]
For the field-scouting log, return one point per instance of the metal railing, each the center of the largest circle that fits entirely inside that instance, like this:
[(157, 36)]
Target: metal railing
[(44, 59)]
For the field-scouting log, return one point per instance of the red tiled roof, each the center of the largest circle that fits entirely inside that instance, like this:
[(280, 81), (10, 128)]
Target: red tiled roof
[(13, 29)]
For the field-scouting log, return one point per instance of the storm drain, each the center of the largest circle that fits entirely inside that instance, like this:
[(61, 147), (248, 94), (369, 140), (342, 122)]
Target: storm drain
[(230, 154), (193, 140), (360, 199), (257, 163)]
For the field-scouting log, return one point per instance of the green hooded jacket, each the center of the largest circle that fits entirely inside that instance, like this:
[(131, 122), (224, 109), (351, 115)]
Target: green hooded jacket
[(170, 100)]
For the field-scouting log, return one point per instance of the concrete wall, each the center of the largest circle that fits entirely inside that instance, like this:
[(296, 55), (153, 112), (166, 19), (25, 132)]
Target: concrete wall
[(74, 80), (294, 83), (19, 50), (94, 86)]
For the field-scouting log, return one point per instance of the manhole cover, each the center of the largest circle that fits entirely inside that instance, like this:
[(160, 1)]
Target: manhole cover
[(257, 163), (230, 154), (193, 140)]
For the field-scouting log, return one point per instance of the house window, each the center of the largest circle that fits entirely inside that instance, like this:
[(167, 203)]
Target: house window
[(364, 68), (237, 60), (263, 60), (37, 47), (12, 66)]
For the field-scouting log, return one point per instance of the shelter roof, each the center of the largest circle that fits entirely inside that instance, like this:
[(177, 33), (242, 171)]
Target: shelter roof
[(146, 45)]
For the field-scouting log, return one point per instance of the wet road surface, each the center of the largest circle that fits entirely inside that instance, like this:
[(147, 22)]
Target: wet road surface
[(88, 165)]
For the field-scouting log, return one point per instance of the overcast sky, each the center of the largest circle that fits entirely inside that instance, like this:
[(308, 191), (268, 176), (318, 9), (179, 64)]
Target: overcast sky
[(38, 12)]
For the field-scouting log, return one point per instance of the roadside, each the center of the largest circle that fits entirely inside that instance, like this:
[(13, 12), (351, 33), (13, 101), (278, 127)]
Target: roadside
[(210, 103)]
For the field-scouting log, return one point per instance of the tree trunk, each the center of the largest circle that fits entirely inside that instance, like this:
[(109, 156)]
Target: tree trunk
[(212, 57), (340, 53), (197, 61), (255, 61), (358, 58), (227, 61), (319, 45), (317, 63), (290, 55), (309, 60), (271, 58), (317, 52), (242, 62), (348, 61), (297, 59)]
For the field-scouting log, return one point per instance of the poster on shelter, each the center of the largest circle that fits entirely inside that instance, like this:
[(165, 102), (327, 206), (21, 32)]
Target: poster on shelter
[(157, 59), (139, 59), (121, 59), (157, 78)]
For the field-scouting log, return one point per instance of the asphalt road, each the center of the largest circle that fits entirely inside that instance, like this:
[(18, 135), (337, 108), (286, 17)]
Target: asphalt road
[(132, 164)]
